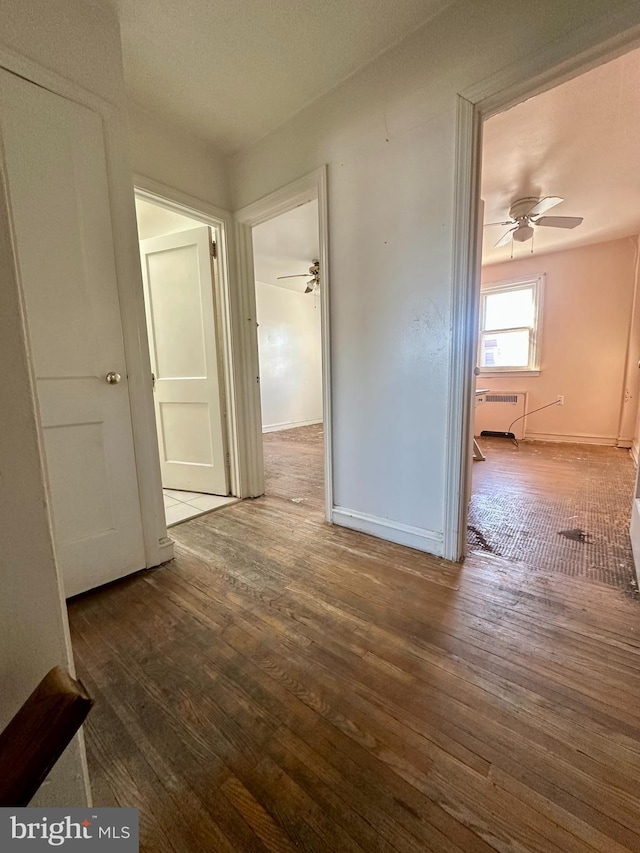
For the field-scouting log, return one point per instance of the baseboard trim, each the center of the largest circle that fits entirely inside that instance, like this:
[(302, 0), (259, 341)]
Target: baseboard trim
[(578, 438), (634, 453), (164, 553), (291, 425), (392, 531)]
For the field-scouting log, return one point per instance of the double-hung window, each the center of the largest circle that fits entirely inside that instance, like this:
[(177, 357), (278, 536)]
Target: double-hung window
[(510, 326)]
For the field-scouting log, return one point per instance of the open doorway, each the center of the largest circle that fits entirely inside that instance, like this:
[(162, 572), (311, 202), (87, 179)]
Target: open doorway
[(288, 280), (556, 418), (180, 275)]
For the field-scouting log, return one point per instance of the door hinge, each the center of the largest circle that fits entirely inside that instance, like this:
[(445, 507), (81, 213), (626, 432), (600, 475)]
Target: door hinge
[(214, 250)]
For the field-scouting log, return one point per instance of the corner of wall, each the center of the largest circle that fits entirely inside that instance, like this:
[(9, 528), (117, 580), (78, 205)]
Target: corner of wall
[(165, 153)]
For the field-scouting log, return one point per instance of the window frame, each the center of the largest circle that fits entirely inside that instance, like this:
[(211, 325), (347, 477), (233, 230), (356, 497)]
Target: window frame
[(532, 367)]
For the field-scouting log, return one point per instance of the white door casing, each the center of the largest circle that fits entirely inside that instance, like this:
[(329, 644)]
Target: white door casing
[(55, 162), (178, 280)]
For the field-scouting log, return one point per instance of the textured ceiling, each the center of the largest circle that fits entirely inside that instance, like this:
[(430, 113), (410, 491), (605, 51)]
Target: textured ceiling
[(229, 72), (286, 245), (580, 141)]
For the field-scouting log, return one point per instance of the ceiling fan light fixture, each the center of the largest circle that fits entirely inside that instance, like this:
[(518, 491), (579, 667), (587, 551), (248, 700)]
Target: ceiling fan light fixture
[(523, 233)]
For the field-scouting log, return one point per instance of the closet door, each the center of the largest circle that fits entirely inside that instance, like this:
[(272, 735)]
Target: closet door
[(54, 157)]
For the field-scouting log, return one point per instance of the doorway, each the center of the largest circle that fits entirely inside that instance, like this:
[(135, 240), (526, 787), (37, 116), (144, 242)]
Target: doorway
[(311, 188), (287, 289), (558, 334), (180, 274)]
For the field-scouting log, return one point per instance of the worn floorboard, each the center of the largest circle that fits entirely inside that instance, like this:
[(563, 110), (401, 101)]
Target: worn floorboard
[(288, 685), (561, 507)]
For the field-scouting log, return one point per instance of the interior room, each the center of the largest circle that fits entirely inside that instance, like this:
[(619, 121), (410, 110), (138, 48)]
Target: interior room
[(190, 422), (288, 281), (562, 376), (315, 669)]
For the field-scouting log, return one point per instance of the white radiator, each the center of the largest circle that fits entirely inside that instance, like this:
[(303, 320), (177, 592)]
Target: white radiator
[(496, 411)]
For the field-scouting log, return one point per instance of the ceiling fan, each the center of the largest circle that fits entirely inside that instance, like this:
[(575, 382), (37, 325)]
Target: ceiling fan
[(314, 272), (524, 213)]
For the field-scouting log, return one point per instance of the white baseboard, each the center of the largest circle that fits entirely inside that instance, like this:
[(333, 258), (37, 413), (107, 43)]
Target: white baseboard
[(578, 438), (635, 454), (164, 552), (292, 425), (392, 531)]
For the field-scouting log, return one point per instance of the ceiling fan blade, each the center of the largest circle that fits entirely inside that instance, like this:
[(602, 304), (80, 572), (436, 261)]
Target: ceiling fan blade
[(544, 204), (505, 238), (559, 221), (300, 275), (508, 222)]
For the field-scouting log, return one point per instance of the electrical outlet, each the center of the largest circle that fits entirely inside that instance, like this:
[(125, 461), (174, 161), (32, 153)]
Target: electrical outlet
[(560, 399)]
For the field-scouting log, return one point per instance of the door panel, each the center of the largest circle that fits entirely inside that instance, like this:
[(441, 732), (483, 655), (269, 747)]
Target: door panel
[(56, 170), (179, 294)]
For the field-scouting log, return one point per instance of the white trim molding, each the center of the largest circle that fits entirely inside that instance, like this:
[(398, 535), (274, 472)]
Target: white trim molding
[(291, 425), (308, 188), (574, 438), (586, 47), (419, 538), (129, 282), (464, 336), (227, 309)]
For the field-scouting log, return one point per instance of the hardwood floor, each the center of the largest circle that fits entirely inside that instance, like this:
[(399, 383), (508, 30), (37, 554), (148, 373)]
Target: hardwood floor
[(288, 685)]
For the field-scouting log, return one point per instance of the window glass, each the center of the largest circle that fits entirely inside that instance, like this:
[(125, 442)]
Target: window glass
[(510, 309), (504, 349)]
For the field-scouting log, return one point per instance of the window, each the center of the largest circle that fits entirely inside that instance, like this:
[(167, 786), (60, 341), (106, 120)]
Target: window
[(509, 326)]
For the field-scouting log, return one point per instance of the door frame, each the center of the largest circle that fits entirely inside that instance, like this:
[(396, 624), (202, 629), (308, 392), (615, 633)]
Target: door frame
[(310, 187), (158, 548), (574, 54), (152, 191)]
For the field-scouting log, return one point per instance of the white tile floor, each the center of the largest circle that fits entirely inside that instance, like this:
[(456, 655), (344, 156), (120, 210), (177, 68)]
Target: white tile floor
[(180, 506)]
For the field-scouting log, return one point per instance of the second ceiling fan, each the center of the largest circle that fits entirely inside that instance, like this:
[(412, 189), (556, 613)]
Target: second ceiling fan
[(525, 213), (314, 271)]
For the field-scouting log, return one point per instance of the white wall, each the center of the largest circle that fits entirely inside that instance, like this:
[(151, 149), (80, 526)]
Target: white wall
[(584, 335), (289, 342), (388, 137), (154, 221), (165, 154), (78, 39)]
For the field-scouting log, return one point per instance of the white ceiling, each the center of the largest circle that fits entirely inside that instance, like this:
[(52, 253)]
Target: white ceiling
[(286, 245), (580, 141), (229, 72)]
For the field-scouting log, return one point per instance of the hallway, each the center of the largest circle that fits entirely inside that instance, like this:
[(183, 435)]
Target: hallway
[(285, 684)]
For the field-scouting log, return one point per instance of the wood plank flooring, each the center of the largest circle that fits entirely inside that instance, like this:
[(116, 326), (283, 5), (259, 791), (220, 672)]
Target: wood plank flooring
[(288, 685)]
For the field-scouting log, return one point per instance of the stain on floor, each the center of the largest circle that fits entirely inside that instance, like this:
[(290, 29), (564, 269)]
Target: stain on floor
[(557, 507)]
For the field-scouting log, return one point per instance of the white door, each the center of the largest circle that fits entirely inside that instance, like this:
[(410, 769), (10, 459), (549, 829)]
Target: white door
[(55, 164), (179, 294)]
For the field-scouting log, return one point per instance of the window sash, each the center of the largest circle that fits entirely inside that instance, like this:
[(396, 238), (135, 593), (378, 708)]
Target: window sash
[(497, 367), (535, 284)]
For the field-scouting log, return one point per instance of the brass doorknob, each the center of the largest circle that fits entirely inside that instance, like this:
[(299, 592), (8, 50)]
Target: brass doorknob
[(113, 378)]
